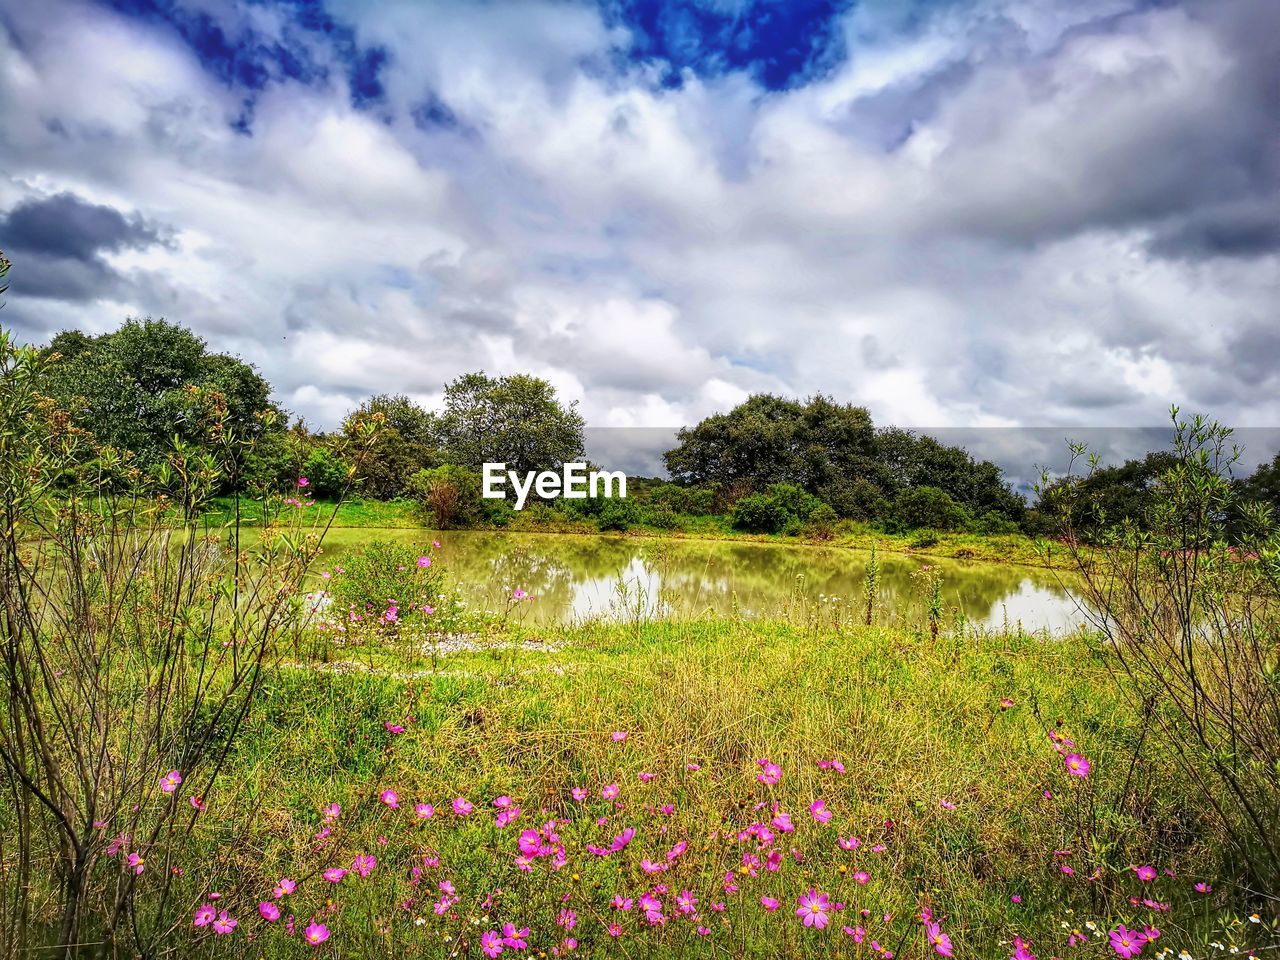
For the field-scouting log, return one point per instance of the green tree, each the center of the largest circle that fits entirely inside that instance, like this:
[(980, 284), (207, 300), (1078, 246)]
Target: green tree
[(1107, 496), (407, 443), (516, 420), (768, 439), (140, 387)]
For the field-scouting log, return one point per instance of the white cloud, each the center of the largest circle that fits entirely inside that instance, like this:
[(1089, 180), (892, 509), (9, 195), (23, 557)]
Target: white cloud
[(953, 227)]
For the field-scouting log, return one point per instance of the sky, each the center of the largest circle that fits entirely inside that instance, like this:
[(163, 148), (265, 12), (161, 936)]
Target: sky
[(961, 214)]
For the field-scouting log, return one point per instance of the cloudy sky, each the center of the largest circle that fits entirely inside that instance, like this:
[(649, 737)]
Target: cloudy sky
[(972, 213)]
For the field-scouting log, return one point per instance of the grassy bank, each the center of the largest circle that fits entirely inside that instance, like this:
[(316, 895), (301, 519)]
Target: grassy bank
[(403, 515), (951, 797)]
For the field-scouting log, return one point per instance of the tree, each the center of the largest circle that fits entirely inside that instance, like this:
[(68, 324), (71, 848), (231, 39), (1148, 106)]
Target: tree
[(141, 386), (407, 442), (516, 420), (1107, 496), (768, 439)]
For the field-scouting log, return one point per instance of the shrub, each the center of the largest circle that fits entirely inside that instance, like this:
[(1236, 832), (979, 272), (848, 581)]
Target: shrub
[(450, 496), (618, 513), (1193, 623), (783, 508), (917, 507), (326, 472), (822, 522), (994, 522), (387, 581)]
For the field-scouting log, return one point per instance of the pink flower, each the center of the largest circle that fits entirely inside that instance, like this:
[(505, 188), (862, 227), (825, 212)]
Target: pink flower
[(567, 919), (197, 803), (390, 798), (769, 903), (579, 793), (334, 874), (169, 782), (303, 481), (770, 773), (862, 878), (316, 933), (424, 562), (1145, 873), (940, 942), (518, 594), (204, 915), (618, 736), (513, 938), (332, 811), (820, 812), (813, 907), (363, 864), (136, 863), (1127, 943), (1005, 703), (269, 911), (424, 811), (393, 727), (1076, 765), (615, 930), (462, 806), (283, 888), (609, 791), (491, 943), (1204, 888), (1022, 950), (224, 924)]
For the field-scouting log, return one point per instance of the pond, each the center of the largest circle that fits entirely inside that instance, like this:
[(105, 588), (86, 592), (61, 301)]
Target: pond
[(573, 578)]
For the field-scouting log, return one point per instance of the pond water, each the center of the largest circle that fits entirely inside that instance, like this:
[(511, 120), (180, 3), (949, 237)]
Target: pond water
[(574, 578)]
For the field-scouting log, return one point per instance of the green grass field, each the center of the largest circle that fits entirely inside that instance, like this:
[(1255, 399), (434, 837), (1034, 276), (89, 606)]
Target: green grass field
[(962, 806), (403, 514)]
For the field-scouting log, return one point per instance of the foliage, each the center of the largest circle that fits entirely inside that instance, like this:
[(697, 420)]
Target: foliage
[(1194, 623), (451, 496), (131, 650), (833, 452), (768, 439), (139, 387), (406, 445), (386, 582), (918, 507), (516, 420), (782, 508), (1105, 497)]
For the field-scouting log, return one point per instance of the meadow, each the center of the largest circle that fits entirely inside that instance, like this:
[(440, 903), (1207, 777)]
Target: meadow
[(226, 742), (711, 789)]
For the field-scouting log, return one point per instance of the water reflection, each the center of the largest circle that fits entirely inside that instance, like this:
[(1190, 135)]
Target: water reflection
[(575, 578)]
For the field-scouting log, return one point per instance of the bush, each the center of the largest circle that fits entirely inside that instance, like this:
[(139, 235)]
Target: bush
[(822, 522), (326, 472), (917, 507), (618, 513), (386, 576), (783, 508), (450, 496), (995, 522)]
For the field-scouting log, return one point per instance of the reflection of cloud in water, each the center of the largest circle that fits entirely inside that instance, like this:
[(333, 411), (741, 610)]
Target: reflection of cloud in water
[(1036, 607), (575, 578)]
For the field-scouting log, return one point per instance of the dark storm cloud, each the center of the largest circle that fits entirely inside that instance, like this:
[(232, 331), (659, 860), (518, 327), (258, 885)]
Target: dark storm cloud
[(1249, 229), (57, 245)]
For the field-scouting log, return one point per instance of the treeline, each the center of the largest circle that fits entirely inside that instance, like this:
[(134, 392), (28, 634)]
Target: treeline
[(769, 465)]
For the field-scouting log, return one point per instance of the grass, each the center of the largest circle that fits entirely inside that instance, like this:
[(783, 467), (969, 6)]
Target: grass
[(403, 515), (914, 722)]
